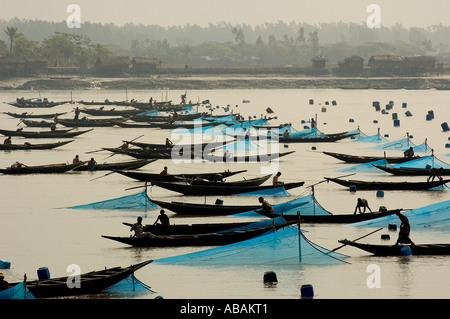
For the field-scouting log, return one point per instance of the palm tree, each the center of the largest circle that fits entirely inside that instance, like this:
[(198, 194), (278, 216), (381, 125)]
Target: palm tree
[(12, 34)]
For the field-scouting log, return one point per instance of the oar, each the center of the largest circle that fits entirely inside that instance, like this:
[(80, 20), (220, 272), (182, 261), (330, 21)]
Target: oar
[(359, 238), (327, 179)]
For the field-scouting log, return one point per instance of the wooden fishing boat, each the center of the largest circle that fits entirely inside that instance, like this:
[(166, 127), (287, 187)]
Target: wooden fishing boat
[(201, 190), (28, 103), (399, 250), (337, 218), (245, 182), (410, 171), (366, 159), (143, 153), (115, 166), (149, 177), (44, 134), (189, 229), (179, 146), (40, 169), (111, 112), (204, 239), (376, 185), (90, 283), (29, 146), (90, 123), (27, 115), (42, 123), (319, 139), (228, 157), (182, 208)]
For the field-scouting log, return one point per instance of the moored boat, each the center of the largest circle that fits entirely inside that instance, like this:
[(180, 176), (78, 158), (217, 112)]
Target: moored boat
[(29, 146), (203, 239), (115, 166), (188, 189), (366, 159), (44, 134), (148, 177), (40, 169), (401, 250), (410, 171), (378, 185), (89, 283)]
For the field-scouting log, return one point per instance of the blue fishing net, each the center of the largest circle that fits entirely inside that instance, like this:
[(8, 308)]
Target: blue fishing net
[(377, 138), (364, 167), (129, 287), (356, 134), (424, 162), (151, 113), (421, 148), (243, 145), (17, 292), (274, 191), (286, 246), (402, 145), (136, 202), (311, 132), (436, 216), (306, 205)]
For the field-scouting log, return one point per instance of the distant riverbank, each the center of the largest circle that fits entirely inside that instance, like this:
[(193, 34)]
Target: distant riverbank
[(226, 82)]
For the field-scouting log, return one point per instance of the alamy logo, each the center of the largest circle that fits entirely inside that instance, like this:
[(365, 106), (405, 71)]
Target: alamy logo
[(374, 20), (73, 20)]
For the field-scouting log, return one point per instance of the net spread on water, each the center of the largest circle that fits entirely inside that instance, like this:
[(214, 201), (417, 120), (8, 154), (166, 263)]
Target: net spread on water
[(436, 216), (286, 246), (139, 202), (19, 291)]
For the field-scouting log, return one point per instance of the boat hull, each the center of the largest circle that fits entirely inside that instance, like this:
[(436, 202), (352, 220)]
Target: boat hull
[(362, 185), (396, 250)]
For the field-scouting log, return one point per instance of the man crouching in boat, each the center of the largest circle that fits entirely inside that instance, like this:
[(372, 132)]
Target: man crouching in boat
[(138, 229), (405, 228), (362, 203), (266, 208)]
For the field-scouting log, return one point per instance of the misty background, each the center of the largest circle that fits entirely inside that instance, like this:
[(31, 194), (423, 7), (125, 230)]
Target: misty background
[(206, 32)]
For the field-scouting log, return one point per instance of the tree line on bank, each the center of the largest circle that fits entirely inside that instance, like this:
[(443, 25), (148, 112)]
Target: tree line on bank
[(219, 44)]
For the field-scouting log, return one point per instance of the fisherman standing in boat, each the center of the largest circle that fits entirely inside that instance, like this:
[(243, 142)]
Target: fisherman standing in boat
[(77, 114), (362, 203), (405, 228)]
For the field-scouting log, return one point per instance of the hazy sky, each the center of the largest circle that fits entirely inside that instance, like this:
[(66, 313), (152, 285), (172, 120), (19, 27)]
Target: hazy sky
[(180, 12)]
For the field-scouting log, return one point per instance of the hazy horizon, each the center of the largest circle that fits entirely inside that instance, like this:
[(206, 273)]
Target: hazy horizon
[(408, 13)]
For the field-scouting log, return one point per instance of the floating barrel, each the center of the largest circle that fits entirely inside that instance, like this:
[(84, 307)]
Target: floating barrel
[(392, 226), (311, 102), (269, 110), (382, 209), (404, 105), (334, 102), (302, 121), (324, 109), (447, 145), (43, 273), (388, 107), (386, 135), (384, 112), (307, 291), (219, 201), (286, 146), (408, 113), (396, 123), (406, 251), (270, 277), (429, 117), (394, 116), (377, 108), (4, 264), (327, 103), (352, 188), (445, 127), (375, 121), (385, 237), (431, 113), (375, 103), (380, 193), (351, 120), (313, 148)]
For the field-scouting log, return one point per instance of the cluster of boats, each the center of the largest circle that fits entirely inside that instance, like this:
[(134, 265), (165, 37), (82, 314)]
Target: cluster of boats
[(198, 184)]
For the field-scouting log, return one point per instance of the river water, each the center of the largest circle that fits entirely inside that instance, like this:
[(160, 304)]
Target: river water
[(37, 231)]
